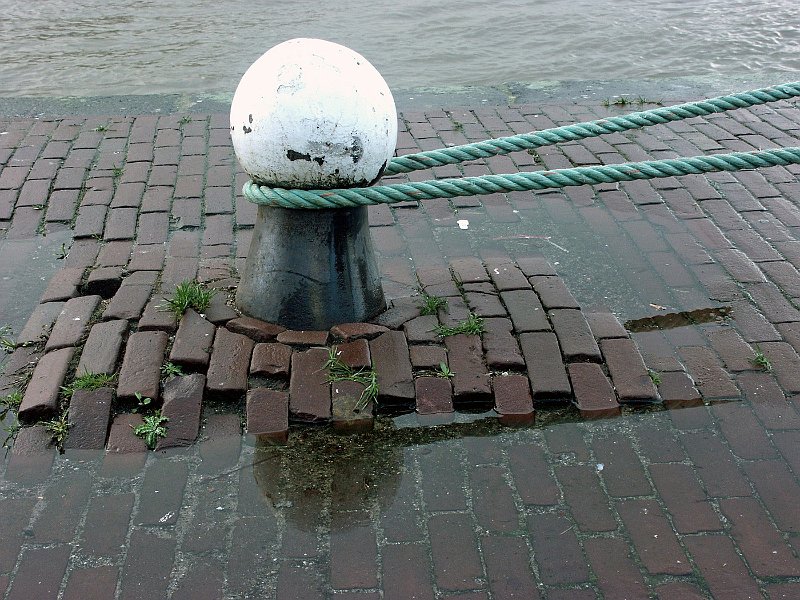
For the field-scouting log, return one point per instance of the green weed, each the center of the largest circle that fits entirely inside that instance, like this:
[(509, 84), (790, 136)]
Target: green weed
[(101, 128), (432, 304), (152, 429), (655, 377), (88, 381), (116, 172), (189, 294), (58, 429), (338, 371), (142, 402), (472, 325), (444, 371), (6, 343), (10, 404), (169, 369), (761, 361), (185, 119), (62, 252)]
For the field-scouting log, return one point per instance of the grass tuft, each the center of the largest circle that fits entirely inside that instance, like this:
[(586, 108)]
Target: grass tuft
[(761, 361), (152, 429), (338, 371), (189, 294), (432, 304), (472, 325), (88, 381)]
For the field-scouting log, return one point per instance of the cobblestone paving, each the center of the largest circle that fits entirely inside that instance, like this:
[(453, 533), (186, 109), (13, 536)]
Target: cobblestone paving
[(694, 496)]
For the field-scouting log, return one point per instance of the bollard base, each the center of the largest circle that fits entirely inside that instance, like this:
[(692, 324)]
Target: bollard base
[(311, 269)]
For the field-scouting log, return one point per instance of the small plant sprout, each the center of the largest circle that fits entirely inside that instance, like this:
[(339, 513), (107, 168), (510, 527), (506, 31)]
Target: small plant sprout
[(472, 325), (169, 370), (6, 343), (432, 304), (58, 429), (151, 429), (101, 128), (444, 371), (655, 377), (186, 119), (189, 294), (62, 252), (142, 402), (88, 381), (338, 371), (116, 172), (10, 404), (760, 360)]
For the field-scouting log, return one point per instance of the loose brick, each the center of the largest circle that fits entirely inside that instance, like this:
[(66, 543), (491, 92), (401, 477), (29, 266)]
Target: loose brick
[(594, 394), (230, 359), (526, 311), (546, 370), (347, 332), (605, 325), (553, 293), (271, 360), (402, 310), (64, 285), (535, 265), (147, 257), (121, 439), (355, 354), (156, 318), (72, 323), (761, 544), (141, 365), (193, 341), (512, 399), (41, 395), (574, 336), (259, 331), (557, 550), (104, 281), (345, 396), (655, 542), (617, 575), (89, 418), (268, 414), (508, 567), (500, 346), (628, 372), (471, 380), (391, 361), (427, 357), (677, 390), (421, 329), (434, 395), (102, 347), (40, 322), (183, 397), (309, 392), (302, 338), (456, 563), (128, 303)]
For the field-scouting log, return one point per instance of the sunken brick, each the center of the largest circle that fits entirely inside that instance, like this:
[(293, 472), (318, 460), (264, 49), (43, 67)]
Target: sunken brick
[(513, 399), (41, 395), (345, 396), (390, 358), (525, 310), (89, 418), (141, 365), (230, 359), (268, 414), (605, 325), (64, 285), (677, 390), (347, 332), (545, 368), (73, 322), (628, 372), (259, 331), (128, 302), (427, 357), (574, 336), (121, 439), (218, 311), (402, 310), (101, 350), (183, 399), (471, 381), (104, 281), (40, 322), (594, 394), (434, 395), (156, 318), (271, 360), (309, 391), (553, 293), (303, 338), (193, 342)]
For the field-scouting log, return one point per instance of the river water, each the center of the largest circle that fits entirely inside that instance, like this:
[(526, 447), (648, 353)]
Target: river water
[(114, 47)]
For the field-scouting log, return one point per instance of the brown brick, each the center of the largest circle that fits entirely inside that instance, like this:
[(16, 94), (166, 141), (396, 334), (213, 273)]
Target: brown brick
[(653, 538), (535, 265), (586, 499), (230, 360), (574, 336), (106, 525), (421, 329), (512, 399), (15, 515), (271, 360), (427, 357), (471, 379), (493, 502), (715, 464), (302, 338), (40, 573), (553, 293), (146, 573), (545, 367), (402, 310), (40, 322), (617, 575), (442, 480), (768, 401), (745, 435), (507, 276), (101, 350), (557, 550), (92, 582), (141, 366), (724, 572), (147, 257), (345, 397), (508, 567), (32, 456), (500, 346), (64, 502), (434, 395), (405, 573), (183, 398), (677, 390), (355, 354), (121, 439), (353, 554), (268, 414), (90, 222), (64, 285), (41, 395), (220, 443), (73, 322), (627, 370), (622, 469), (605, 325), (527, 313), (347, 332), (104, 281), (778, 490), (309, 392), (193, 341), (485, 305), (89, 418), (531, 472), (785, 364), (469, 269), (391, 361), (156, 318), (218, 312), (128, 302), (456, 563), (161, 495), (259, 331), (594, 394), (761, 544)]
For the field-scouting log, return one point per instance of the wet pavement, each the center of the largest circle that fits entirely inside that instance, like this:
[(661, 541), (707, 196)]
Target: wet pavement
[(693, 496)]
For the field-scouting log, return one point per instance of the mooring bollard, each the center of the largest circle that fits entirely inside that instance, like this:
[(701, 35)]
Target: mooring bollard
[(311, 114)]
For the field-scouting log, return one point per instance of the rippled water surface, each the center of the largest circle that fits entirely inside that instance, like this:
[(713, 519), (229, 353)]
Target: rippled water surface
[(111, 47)]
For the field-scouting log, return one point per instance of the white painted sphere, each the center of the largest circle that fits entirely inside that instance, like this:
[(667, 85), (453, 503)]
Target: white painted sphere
[(312, 114)]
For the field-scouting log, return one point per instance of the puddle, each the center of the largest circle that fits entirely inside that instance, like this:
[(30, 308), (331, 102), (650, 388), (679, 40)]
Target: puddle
[(679, 319)]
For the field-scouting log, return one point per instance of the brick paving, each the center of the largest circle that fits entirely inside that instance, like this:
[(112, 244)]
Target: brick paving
[(548, 466)]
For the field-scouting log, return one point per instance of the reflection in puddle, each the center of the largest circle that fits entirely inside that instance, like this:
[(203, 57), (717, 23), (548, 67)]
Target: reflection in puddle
[(680, 319)]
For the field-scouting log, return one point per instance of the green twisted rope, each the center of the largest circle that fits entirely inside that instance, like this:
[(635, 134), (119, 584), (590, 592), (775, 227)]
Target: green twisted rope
[(537, 180), (579, 131)]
